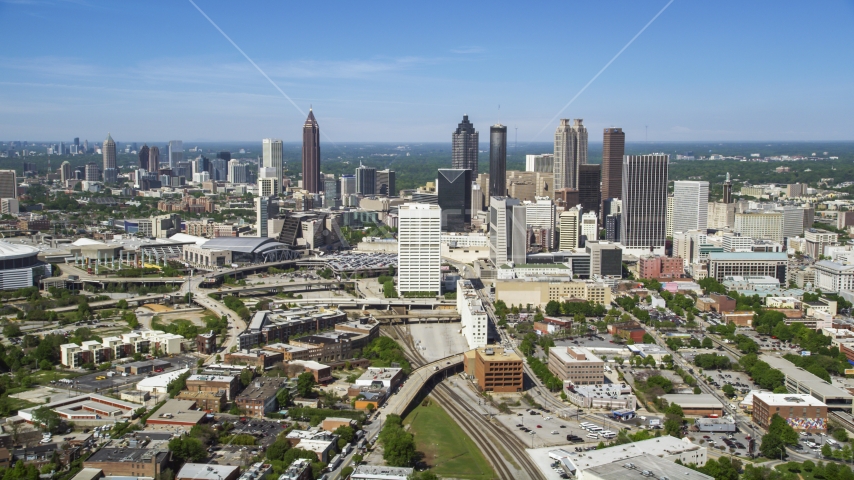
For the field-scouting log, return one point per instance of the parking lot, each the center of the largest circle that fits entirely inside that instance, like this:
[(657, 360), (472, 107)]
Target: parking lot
[(736, 443), (739, 380), (90, 382), (600, 340)]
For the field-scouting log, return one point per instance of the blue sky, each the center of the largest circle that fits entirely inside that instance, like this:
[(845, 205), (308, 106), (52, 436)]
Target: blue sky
[(407, 72)]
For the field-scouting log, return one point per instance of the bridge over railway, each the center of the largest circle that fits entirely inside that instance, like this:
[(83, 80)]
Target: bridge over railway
[(412, 389)]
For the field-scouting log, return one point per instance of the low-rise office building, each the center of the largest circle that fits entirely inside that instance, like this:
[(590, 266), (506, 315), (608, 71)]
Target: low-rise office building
[(521, 292), (129, 462), (279, 325), (259, 398), (207, 471), (209, 401), (473, 319), (214, 383), (701, 405), (258, 358), (576, 365), (495, 369), (801, 411), (799, 380), (613, 396)]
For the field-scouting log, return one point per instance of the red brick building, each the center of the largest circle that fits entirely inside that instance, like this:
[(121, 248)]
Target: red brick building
[(659, 267)]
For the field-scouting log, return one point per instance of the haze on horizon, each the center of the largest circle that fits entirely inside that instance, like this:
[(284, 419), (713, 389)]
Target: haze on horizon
[(724, 71)]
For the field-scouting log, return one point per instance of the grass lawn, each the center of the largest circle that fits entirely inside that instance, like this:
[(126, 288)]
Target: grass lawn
[(447, 449)]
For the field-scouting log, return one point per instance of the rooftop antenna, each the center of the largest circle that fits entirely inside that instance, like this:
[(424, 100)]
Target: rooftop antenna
[(499, 114)]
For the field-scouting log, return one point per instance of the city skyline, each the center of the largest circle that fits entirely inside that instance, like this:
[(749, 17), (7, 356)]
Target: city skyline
[(67, 83)]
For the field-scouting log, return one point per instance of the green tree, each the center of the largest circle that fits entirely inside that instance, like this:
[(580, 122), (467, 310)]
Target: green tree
[(647, 338), (188, 449), (729, 390), (47, 419), (246, 377), (283, 397), (707, 343), (305, 384)]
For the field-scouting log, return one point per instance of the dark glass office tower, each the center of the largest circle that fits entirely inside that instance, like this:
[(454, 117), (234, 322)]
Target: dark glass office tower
[(143, 157), (613, 149), (589, 179), (454, 195), (366, 180), (497, 161), (464, 146), (311, 155), (643, 221), (224, 156), (386, 183)]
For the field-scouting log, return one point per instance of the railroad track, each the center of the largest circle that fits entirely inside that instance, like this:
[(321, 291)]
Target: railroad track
[(484, 433)]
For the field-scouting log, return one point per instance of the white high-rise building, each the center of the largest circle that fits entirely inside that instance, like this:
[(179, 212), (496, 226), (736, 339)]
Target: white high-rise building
[(690, 206), (476, 198), (668, 223), (473, 317), (766, 225), (236, 171), (176, 152), (508, 231), (541, 214), (419, 244), (539, 163), (570, 152), (590, 226), (272, 155), (570, 221), (268, 186)]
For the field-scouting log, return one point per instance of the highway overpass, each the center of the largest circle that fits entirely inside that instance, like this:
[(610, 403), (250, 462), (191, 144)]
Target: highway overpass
[(401, 401)]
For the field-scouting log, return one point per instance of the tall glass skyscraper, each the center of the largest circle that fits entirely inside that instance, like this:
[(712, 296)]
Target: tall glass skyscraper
[(643, 221), (570, 152), (464, 147), (271, 151), (366, 180), (497, 161), (613, 148), (311, 155), (454, 195)]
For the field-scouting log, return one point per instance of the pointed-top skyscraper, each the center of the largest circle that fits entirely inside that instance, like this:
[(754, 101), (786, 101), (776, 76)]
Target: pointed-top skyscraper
[(109, 151), (464, 147), (727, 189), (143, 157), (311, 155)]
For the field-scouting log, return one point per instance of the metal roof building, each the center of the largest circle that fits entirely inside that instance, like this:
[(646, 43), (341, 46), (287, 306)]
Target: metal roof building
[(252, 249)]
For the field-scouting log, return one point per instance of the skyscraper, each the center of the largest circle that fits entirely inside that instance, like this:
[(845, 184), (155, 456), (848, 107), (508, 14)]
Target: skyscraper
[(497, 161), (419, 246), (262, 215), (613, 149), (311, 155), (508, 231), (464, 147), (64, 172), (690, 206), (219, 169), (727, 189), (643, 221), (331, 196), (153, 159), (386, 183), (176, 152), (589, 183), (454, 194), (366, 180), (570, 152), (8, 184), (109, 151), (236, 171), (570, 228), (271, 151), (539, 163), (143, 157)]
